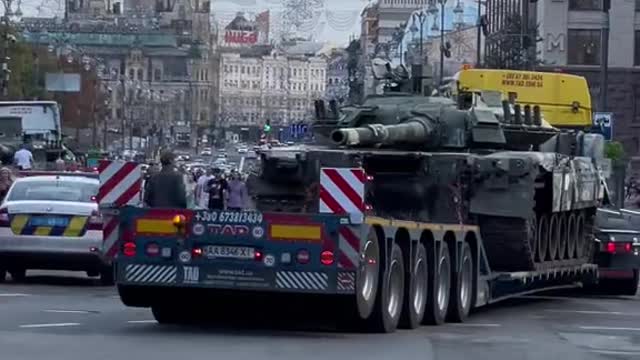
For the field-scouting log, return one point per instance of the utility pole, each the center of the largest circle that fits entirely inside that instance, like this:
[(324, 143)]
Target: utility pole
[(124, 113), (604, 62), (6, 72), (479, 36)]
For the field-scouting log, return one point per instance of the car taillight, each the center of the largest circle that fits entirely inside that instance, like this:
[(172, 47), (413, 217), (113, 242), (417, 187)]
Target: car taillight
[(4, 218), (618, 247), (95, 221)]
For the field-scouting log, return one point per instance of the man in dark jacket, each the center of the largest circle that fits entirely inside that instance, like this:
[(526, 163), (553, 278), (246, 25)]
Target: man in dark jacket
[(166, 188)]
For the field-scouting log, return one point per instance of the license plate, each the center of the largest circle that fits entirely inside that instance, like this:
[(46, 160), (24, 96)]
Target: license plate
[(229, 252), (49, 221)]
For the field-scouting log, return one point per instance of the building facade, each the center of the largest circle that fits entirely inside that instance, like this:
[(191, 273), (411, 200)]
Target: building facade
[(337, 76), (572, 43), (154, 57), (274, 87)]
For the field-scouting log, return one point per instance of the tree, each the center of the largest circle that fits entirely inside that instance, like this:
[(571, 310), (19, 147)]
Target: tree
[(615, 151), (510, 48)]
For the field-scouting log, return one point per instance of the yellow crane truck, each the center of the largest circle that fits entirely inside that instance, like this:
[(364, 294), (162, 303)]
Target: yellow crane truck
[(564, 99)]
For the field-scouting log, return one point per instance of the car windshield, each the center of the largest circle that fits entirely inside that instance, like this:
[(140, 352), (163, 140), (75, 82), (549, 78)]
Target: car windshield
[(47, 190)]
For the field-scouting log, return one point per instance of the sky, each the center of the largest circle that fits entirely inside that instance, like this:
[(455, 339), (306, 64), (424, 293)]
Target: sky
[(335, 21)]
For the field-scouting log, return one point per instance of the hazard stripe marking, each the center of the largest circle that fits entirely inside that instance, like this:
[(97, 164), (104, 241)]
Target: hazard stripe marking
[(313, 281), (341, 191)]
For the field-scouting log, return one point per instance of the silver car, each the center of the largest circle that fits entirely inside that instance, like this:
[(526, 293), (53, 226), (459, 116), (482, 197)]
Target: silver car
[(53, 223)]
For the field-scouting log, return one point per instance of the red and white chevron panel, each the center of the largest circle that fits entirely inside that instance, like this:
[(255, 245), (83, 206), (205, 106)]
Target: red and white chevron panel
[(120, 185), (342, 192)]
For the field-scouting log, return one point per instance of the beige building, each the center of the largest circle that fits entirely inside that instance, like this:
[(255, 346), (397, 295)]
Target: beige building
[(276, 87)]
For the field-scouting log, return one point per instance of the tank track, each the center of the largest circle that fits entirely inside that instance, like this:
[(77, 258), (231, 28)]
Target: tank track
[(546, 241)]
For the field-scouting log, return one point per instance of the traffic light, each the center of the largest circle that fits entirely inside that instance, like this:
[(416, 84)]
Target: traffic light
[(446, 49)]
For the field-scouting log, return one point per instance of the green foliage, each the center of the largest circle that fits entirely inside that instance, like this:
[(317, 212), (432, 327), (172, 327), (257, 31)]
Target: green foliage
[(615, 151)]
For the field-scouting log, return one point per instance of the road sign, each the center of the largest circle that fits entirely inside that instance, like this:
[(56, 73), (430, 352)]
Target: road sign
[(603, 123)]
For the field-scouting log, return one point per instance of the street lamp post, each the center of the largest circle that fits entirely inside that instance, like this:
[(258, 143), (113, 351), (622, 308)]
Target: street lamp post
[(442, 4), (422, 17), (604, 61)]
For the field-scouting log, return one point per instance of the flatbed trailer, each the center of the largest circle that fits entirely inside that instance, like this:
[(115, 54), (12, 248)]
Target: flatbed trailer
[(442, 266)]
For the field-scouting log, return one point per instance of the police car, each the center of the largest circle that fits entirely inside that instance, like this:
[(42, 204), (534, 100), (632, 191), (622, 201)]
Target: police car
[(51, 222)]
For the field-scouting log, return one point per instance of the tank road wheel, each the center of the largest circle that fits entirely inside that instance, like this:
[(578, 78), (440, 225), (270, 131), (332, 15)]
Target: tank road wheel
[(389, 300), (462, 287), (543, 237), (572, 235), (415, 297), (579, 234), (563, 237), (439, 287), (533, 237), (554, 235), (368, 275), (588, 245)]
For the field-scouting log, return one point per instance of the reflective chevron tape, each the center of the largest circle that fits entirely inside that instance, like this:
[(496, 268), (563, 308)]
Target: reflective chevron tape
[(342, 190), (120, 185), (156, 274), (349, 245), (301, 280), (21, 225), (346, 282)]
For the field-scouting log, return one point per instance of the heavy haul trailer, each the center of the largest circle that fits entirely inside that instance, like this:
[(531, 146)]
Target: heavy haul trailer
[(389, 271)]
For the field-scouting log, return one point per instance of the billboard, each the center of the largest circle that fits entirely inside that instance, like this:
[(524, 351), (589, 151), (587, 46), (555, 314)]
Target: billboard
[(240, 37)]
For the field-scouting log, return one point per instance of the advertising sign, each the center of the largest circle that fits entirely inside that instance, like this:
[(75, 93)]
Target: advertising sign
[(240, 37)]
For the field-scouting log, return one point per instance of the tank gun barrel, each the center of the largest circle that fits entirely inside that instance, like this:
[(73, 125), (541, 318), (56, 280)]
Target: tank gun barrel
[(415, 132)]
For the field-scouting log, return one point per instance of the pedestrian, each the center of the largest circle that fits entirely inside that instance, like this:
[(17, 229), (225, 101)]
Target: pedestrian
[(217, 191), (202, 188), (238, 197), (6, 180), (23, 158), (166, 188)]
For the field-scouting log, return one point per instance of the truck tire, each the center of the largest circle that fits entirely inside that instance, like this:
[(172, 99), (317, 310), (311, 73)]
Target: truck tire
[(439, 287), (3, 275), (462, 287), (416, 290), (133, 296), (368, 276), (389, 300), (107, 276), (166, 314), (18, 275)]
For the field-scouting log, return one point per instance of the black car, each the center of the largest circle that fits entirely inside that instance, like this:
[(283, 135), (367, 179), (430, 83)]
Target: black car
[(618, 251)]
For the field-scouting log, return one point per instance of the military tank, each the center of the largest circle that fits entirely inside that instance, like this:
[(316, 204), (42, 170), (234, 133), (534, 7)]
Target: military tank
[(533, 190)]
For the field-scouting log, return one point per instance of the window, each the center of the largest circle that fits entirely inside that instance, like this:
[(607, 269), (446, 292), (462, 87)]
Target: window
[(584, 47), (637, 5), (132, 74), (585, 4), (41, 190), (157, 75), (140, 75), (636, 51)]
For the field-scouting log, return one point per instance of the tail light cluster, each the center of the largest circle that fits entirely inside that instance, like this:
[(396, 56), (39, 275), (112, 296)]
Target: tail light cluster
[(95, 221), (618, 247)]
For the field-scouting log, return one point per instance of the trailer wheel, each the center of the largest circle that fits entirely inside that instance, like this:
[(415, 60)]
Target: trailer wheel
[(462, 287), (368, 276), (166, 314), (389, 299), (18, 275), (415, 297), (439, 287), (3, 275), (133, 296)]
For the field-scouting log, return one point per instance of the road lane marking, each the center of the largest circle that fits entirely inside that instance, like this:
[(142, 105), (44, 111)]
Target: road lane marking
[(476, 325), (591, 312), (141, 321), (616, 352), (608, 328), (33, 326), (68, 311), (13, 294)]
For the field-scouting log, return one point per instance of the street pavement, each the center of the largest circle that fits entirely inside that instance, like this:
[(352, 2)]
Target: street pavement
[(61, 315)]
